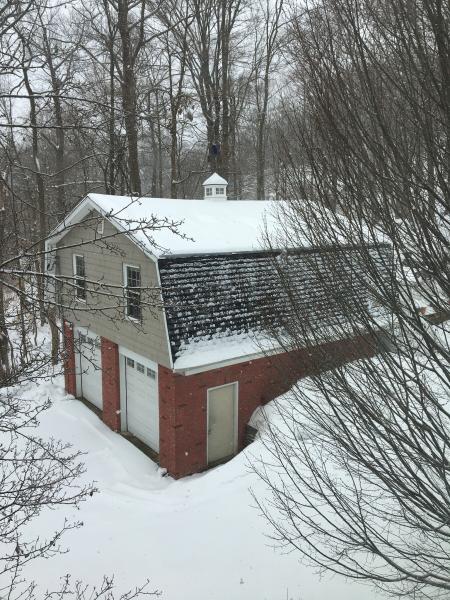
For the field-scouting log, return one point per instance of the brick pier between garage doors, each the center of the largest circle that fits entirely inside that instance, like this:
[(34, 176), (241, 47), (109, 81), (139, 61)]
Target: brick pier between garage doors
[(187, 405)]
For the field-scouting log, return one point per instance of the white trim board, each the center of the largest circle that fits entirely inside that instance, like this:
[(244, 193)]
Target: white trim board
[(202, 367), (125, 266), (164, 314), (218, 365), (76, 277)]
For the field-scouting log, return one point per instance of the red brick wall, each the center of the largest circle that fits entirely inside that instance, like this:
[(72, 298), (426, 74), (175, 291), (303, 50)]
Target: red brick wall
[(167, 418), (69, 359), (182, 399), (110, 383)]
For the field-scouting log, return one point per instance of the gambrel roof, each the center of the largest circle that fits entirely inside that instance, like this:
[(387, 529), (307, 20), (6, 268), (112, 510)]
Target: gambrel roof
[(205, 226), (218, 298), (219, 286)]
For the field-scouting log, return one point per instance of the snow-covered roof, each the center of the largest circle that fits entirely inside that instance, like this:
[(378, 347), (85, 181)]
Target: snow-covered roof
[(218, 281), (199, 356), (208, 227), (215, 179)]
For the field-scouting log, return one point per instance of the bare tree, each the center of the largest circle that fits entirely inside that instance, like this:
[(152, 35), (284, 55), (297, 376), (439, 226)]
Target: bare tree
[(59, 52), (37, 475), (40, 214), (178, 98), (359, 457), (266, 49), (4, 343), (214, 29)]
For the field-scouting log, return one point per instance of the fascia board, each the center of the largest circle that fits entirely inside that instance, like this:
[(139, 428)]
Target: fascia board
[(82, 209)]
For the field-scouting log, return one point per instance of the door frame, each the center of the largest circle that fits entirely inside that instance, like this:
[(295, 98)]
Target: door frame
[(235, 384), (123, 391)]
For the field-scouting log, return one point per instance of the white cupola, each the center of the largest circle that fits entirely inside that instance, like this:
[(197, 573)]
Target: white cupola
[(215, 187)]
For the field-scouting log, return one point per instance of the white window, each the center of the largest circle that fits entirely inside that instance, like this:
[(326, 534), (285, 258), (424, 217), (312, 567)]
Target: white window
[(151, 373), (130, 362), (79, 276), (209, 191), (100, 226), (132, 285), (140, 368), (220, 191)]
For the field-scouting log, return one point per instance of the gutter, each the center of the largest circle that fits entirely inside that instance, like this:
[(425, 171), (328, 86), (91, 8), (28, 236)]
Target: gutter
[(201, 368)]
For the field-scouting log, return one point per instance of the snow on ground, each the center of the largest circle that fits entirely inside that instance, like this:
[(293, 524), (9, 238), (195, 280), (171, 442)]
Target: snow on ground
[(199, 538)]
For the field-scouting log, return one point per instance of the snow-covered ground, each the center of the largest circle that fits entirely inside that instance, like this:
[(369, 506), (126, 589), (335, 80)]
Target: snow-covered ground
[(199, 538)]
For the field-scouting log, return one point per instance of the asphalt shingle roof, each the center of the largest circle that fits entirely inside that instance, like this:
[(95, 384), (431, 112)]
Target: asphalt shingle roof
[(211, 295)]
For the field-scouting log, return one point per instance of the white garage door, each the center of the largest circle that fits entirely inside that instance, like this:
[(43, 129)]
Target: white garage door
[(139, 398), (88, 367), (222, 426)]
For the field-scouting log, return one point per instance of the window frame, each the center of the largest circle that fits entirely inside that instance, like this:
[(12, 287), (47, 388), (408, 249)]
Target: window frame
[(220, 191), (100, 226), (127, 266), (209, 190), (77, 278)]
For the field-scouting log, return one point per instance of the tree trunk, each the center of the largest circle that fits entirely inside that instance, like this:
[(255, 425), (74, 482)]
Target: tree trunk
[(52, 319), (160, 162), (40, 208), (60, 135), (111, 188), (261, 138), (129, 98), (155, 158), (260, 162), (4, 357), (173, 154), (225, 35)]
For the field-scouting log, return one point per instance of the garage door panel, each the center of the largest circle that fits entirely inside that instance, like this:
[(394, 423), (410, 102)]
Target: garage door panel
[(88, 368), (141, 402)]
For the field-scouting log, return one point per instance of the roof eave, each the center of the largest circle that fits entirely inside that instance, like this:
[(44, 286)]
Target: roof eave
[(201, 368), (82, 209)]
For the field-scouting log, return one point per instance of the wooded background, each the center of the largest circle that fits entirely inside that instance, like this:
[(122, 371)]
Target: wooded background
[(138, 96)]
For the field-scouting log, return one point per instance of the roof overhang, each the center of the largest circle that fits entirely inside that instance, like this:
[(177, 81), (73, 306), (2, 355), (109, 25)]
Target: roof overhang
[(201, 368), (80, 212), (205, 358)]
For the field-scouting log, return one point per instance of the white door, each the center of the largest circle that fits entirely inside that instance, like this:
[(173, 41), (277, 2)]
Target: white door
[(140, 401), (88, 364), (222, 429)]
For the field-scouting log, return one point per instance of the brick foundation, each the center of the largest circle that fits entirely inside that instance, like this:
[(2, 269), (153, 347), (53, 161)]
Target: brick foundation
[(183, 399), (70, 384), (110, 383)]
